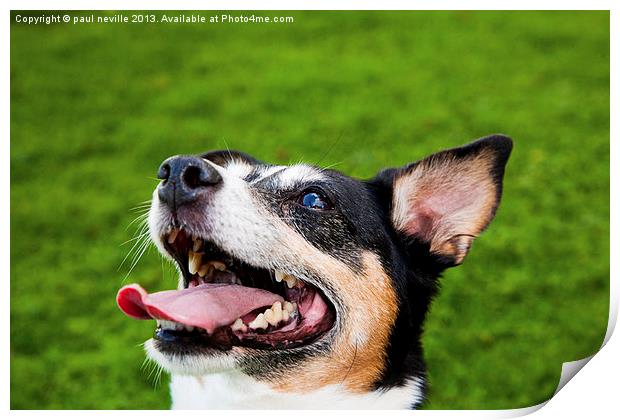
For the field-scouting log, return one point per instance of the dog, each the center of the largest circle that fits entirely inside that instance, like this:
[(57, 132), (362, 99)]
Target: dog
[(301, 287)]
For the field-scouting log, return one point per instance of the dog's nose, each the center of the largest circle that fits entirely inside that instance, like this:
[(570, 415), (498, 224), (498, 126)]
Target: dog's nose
[(184, 179)]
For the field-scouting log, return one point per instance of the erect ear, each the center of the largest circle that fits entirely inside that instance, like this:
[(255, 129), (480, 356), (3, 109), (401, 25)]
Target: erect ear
[(449, 198)]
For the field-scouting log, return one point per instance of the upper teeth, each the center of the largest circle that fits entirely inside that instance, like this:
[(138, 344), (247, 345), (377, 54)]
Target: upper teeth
[(218, 265), (172, 236), (291, 281), (195, 261), (195, 264), (197, 244), (204, 269)]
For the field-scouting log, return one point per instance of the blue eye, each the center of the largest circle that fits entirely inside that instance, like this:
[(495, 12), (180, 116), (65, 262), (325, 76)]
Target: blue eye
[(315, 200)]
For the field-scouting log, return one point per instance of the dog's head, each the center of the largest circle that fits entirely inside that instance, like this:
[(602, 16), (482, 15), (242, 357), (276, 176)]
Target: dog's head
[(300, 269)]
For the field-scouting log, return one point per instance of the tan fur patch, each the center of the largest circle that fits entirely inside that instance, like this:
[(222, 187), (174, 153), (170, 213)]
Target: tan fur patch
[(359, 351), (446, 201)]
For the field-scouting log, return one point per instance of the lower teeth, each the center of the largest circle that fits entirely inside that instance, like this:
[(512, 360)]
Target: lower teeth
[(278, 313), (174, 326)]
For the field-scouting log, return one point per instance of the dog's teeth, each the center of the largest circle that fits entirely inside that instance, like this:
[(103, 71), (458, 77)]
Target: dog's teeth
[(270, 317), (167, 325), (285, 315), (238, 325), (218, 265), (290, 281), (276, 308), (259, 322), (195, 260), (172, 236), (197, 244), (204, 269), (288, 306), (291, 308), (189, 328)]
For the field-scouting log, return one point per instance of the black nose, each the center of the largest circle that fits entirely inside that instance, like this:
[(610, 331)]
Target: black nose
[(185, 179)]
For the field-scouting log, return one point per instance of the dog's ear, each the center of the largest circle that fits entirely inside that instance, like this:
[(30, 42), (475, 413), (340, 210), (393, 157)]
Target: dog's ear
[(449, 198)]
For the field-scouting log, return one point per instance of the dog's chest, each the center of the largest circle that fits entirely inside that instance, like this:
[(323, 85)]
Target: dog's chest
[(232, 390)]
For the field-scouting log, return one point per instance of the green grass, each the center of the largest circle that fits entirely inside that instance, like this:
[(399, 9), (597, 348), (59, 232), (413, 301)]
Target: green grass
[(95, 109)]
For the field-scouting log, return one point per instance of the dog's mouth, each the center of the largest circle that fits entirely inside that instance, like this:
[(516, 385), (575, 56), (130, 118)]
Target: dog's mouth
[(226, 302)]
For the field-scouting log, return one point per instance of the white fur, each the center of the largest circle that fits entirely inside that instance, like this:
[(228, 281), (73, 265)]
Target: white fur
[(268, 172), (236, 168), (297, 174), (234, 390), (190, 365)]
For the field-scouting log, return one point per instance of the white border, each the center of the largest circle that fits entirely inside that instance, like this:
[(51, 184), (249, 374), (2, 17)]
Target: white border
[(593, 393)]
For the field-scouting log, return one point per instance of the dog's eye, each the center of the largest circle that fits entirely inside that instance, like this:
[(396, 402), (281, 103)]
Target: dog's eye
[(315, 200)]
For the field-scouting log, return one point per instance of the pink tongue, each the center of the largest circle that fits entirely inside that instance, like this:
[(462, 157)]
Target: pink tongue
[(207, 306)]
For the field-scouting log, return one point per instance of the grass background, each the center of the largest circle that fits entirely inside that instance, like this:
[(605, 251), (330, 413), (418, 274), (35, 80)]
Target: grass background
[(96, 108)]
